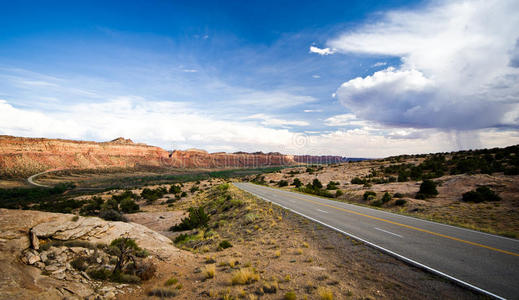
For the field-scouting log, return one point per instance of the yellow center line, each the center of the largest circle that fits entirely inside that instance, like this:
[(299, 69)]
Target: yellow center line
[(404, 225)]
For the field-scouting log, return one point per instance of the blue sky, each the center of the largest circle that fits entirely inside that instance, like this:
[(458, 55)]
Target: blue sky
[(354, 78)]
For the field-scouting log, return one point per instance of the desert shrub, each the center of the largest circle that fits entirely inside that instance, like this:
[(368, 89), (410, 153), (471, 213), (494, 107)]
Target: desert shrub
[(357, 180), (386, 198), (162, 293), (310, 189), (209, 271), (92, 207), (99, 273), (427, 189), (338, 193), (110, 204), (197, 218), (124, 278), (297, 183), (224, 244), (400, 202), (332, 185), (183, 194), (175, 189), (79, 263), (398, 195), (244, 276), (367, 194), (125, 195), (316, 184), (145, 271), (282, 183), (250, 217), (182, 237), (193, 189), (481, 194), (171, 281), (325, 293), (111, 215), (290, 296), (377, 203), (128, 205), (153, 194)]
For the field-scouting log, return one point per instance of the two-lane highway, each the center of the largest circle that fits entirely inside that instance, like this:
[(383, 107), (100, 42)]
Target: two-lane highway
[(481, 261)]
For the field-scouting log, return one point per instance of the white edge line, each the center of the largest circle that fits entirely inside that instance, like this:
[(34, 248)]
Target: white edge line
[(398, 235), (405, 216), (403, 258)]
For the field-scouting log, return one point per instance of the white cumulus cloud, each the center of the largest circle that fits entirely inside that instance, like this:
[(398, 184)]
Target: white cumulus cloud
[(458, 67)]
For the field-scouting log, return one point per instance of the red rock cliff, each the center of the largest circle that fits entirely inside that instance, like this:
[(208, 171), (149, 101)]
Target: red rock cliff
[(26, 156)]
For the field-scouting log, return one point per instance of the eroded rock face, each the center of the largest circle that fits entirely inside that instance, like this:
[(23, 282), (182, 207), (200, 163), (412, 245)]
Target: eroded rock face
[(47, 273), (23, 157), (99, 231)]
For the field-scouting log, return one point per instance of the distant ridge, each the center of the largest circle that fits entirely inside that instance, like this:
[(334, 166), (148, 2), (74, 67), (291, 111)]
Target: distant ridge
[(22, 157)]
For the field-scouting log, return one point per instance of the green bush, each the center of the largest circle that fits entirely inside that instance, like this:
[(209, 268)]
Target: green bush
[(427, 190), (111, 215), (297, 183), (180, 238), (400, 202), (332, 185), (153, 194), (225, 244), (282, 183), (367, 194), (386, 198), (197, 218), (357, 180), (162, 293), (377, 203), (125, 195), (175, 189), (481, 194), (99, 273), (398, 195), (338, 193), (128, 206)]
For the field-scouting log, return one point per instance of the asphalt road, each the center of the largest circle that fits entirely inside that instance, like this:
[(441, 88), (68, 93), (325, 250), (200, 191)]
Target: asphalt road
[(481, 261), (31, 179)]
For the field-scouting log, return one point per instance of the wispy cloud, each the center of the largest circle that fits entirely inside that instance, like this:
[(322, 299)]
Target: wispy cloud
[(272, 121), (322, 51), (379, 64)]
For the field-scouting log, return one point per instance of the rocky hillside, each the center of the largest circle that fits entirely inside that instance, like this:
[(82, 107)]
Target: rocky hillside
[(54, 256), (20, 157)]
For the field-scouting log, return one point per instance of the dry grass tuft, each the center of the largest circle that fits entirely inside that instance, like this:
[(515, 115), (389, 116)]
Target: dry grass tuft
[(277, 253), (325, 293), (209, 271), (244, 276)]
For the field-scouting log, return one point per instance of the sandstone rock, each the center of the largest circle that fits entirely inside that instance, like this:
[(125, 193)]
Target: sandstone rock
[(35, 242), (97, 230), (27, 282)]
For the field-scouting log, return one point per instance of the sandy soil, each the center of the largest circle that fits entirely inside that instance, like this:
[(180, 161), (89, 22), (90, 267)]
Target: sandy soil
[(311, 258)]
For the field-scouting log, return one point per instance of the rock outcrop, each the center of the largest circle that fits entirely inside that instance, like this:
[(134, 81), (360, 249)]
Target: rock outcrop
[(47, 272), (22, 157)]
